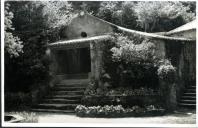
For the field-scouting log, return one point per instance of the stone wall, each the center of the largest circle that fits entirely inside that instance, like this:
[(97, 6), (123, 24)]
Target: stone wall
[(183, 57), (88, 24)]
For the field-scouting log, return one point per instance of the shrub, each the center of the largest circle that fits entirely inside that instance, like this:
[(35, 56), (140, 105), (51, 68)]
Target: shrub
[(132, 51), (17, 101), (167, 72), (131, 92), (116, 111), (134, 60), (94, 89), (91, 88)]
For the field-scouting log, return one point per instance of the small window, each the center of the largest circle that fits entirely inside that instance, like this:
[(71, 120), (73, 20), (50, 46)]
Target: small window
[(83, 34)]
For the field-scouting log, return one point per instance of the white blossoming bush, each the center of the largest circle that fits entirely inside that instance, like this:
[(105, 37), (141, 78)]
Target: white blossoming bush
[(132, 52), (116, 111)]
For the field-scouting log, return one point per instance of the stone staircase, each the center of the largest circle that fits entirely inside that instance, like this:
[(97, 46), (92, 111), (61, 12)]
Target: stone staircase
[(188, 99), (64, 97)]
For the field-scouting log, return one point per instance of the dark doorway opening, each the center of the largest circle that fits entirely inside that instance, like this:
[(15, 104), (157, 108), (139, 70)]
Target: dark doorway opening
[(74, 61)]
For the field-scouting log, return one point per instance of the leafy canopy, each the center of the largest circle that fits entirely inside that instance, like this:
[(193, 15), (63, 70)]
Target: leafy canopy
[(13, 44), (161, 15)]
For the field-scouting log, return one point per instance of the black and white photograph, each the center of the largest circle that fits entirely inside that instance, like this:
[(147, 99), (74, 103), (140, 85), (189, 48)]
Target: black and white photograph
[(98, 63)]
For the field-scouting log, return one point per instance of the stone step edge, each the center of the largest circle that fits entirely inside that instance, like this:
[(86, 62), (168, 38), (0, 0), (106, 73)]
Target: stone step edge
[(182, 104), (57, 105), (189, 97), (188, 100), (187, 93), (53, 110), (59, 99), (64, 95), (72, 91)]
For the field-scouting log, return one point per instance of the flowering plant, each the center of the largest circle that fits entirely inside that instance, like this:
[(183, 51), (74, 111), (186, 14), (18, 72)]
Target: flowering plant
[(167, 72), (114, 111)]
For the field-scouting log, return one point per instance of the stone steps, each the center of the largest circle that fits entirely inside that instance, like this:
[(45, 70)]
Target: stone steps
[(63, 97), (75, 81), (71, 85), (192, 87), (188, 97), (59, 101), (69, 97), (189, 94), (193, 106), (74, 76), (60, 88), (80, 92), (57, 106), (188, 100), (191, 90), (53, 110)]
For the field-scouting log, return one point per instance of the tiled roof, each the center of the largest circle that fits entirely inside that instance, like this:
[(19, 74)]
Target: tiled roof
[(189, 26), (84, 42), (151, 35)]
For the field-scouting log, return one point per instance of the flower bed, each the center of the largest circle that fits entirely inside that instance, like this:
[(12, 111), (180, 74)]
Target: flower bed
[(117, 111), (126, 101)]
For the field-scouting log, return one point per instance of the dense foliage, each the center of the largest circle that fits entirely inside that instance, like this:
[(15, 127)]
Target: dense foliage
[(132, 92), (57, 13), (120, 13), (135, 62), (162, 15), (148, 16), (167, 72), (31, 67), (134, 52), (13, 44), (93, 89)]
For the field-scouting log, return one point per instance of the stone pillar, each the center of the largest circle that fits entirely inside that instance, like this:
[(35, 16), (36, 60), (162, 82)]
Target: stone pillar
[(96, 52), (168, 91), (99, 53), (53, 67), (160, 49), (167, 88), (93, 59)]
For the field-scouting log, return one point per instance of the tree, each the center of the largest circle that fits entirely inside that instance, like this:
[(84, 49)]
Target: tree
[(119, 13), (35, 23), (13, 44), (162, 16), (57, 13), (29, 68)]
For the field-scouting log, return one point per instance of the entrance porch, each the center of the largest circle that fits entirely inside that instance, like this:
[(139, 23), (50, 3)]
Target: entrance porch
[(80, 58)]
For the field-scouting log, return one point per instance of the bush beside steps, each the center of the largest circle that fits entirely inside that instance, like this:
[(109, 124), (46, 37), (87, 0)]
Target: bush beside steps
[(118, 111)]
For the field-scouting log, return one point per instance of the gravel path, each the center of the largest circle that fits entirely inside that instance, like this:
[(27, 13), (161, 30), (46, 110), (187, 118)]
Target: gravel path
[(179, 117)]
